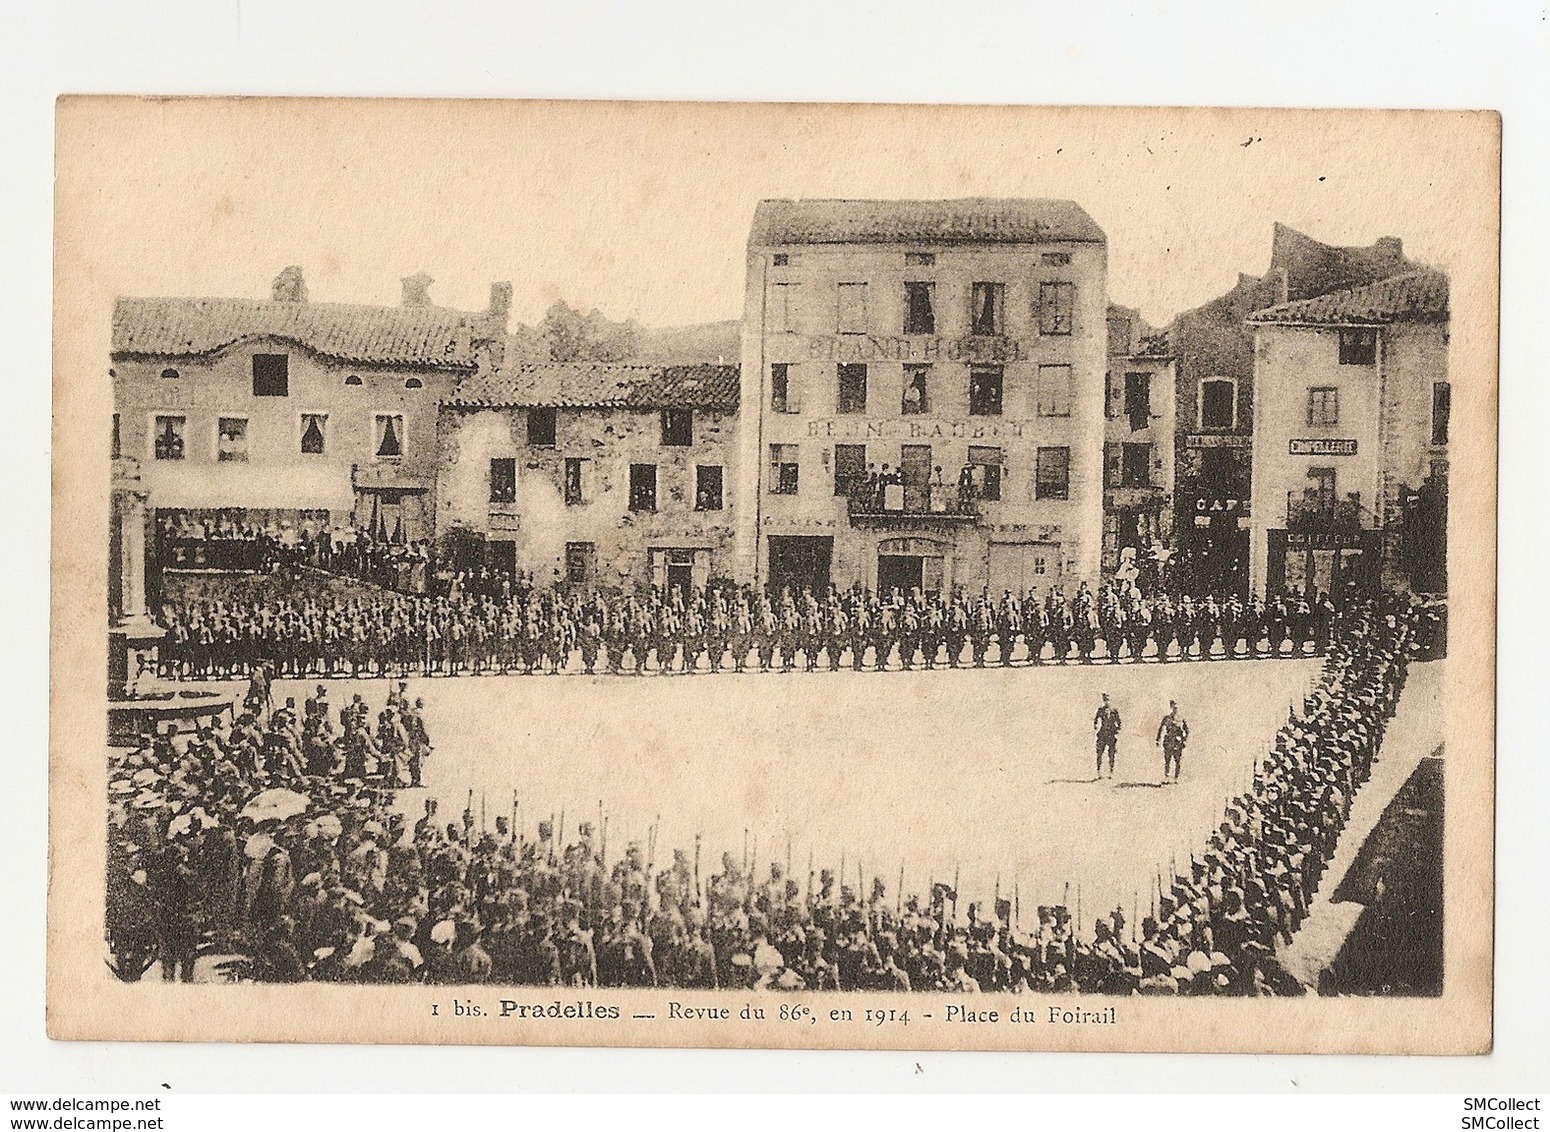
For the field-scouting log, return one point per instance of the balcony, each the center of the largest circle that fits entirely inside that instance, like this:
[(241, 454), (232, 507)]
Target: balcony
[(898, 505), (387, 475), (1308, 511)]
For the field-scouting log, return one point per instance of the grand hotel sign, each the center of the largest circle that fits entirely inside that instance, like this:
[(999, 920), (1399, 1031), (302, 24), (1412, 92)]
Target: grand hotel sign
[(990, 349)]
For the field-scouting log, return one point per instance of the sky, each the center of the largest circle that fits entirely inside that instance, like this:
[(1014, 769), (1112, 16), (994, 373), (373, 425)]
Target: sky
[(642, 210)]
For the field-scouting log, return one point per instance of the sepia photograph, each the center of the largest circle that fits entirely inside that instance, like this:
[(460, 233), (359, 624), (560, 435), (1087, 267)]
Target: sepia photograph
[(812, 576)]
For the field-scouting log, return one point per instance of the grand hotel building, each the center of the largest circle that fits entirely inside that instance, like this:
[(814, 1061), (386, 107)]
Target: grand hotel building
[(923, 394)]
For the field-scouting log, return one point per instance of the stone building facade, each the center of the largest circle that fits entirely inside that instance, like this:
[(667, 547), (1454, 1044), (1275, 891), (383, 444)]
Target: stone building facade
[(287, 411), (1215, 407), (1351, 439), (1138, 461), (924, 388), (597, 475)]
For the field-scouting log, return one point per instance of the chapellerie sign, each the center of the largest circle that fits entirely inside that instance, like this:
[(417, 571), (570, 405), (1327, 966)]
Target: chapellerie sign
[(1321, 447)]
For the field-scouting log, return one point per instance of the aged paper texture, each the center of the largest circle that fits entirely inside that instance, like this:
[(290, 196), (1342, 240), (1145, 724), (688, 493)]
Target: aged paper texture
[(757, 575)]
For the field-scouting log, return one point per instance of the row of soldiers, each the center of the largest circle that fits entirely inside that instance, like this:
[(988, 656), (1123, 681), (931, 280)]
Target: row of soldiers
[(722, 627), (348, 890)]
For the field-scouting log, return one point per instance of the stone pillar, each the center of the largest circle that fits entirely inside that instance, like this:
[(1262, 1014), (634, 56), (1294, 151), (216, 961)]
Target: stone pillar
[(132, 635), (129, 505)]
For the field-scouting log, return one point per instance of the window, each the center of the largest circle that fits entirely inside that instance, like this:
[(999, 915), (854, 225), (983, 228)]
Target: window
[(414, 383), (1052, 474), (849, 469), (575, 481), (169, 373), (985, 466), (1054, 391), (1358, 346), (987, 303), (1138, 400), (781, 259), (916, 398), (503, 480), (578, 561), (389, 432), (784, 315), (707, 487), (1320, 492), (781, 400), (852, 388), (353, 379), (919, 259), (1057, 304), (231, 445), (115, 450), (1135, 465), (677, 428), (852, 308), (169, 438), (783, 469), (1218, 403), (1323, 405), (314, 433), (540, 427), (643, 487), (271, 375), (985, 391), (1442, 408), (919, 316), (1055, 259)]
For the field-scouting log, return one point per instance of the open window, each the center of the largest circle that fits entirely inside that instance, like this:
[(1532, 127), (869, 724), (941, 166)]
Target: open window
[(388, 431), (643, 487)]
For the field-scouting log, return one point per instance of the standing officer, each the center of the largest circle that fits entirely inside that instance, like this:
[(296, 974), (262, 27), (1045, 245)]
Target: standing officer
[(1106, 726), (1173, 737)]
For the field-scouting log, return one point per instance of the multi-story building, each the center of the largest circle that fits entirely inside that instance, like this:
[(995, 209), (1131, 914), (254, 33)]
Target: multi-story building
[(1138, 461), (288, 411), (1351, 439), (1216, 402), (607, 475), (929, 384)]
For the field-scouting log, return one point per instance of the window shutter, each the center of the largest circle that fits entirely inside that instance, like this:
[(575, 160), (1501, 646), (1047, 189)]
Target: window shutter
[(1113, 464)]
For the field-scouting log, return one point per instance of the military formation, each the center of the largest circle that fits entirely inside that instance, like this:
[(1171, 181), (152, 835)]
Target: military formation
[(344, 887), (489, 629)]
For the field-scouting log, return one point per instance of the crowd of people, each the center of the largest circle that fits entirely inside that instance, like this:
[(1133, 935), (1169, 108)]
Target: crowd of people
[(232, 540), (484, 629), (340, 886)]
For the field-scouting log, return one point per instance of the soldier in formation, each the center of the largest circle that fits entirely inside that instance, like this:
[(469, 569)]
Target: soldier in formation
[(525, 629), (341, 888)]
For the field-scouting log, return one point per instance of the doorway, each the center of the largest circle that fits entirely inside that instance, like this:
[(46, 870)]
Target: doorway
[(904, 572), (798, 561), (915, 469)]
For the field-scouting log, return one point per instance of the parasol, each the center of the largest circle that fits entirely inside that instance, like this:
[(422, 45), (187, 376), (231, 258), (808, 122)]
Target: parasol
[(276, 804)]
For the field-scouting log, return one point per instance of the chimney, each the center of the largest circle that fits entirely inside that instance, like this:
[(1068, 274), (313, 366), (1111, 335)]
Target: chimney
[(417, 289), (289, 286), (1390, 248), (500, 304)]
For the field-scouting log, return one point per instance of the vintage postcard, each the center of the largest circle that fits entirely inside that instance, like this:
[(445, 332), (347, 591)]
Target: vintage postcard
[(774, 575)]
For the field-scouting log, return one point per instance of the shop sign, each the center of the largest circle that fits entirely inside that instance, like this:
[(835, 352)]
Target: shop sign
[(1321, 447)]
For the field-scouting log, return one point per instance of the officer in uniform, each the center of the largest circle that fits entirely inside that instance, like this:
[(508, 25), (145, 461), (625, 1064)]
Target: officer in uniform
[(1106, 728), (1172, 737)]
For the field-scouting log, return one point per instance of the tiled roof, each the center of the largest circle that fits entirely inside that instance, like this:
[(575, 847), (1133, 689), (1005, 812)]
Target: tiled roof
[(580, 385), (777, 223), (430, 337), (1416, 296)]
